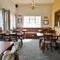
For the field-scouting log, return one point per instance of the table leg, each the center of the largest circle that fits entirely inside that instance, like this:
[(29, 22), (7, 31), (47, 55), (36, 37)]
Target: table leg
[(40, 40)]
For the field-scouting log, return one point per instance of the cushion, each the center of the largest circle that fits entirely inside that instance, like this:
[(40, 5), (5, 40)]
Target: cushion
[(12, 57), (6, 57), (8, 52), (46, 41), (13, 50), (16, 45)]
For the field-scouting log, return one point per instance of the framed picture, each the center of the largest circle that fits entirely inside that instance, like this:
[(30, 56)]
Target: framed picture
[(19, 20), (46, 17), (46, 22)]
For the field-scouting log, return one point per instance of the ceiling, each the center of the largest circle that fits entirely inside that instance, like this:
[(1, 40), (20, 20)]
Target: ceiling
[(29, 1)]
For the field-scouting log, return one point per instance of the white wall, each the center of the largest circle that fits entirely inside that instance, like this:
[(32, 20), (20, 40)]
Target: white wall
[(40, 10), (8, 4)]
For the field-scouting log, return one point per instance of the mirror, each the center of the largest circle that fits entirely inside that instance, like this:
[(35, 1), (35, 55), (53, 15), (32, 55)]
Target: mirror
[(46, 22), (57, 18)]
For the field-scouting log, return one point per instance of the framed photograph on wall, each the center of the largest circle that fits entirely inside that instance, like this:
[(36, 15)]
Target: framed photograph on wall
[(46, 17), (46, 22), (19, 20)]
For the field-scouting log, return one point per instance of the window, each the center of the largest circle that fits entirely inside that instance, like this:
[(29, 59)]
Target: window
[(1, 20), (32, 21), (12, 21)]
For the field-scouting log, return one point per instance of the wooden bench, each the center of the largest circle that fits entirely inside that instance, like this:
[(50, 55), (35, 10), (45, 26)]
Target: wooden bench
[(32, 32)]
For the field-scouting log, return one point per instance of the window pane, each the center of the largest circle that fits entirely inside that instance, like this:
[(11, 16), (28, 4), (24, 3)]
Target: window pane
[(1, 21), (32, 17), (12, 21), (32, 21)]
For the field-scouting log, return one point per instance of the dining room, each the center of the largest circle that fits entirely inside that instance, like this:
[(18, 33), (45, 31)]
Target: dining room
[(30, 30)]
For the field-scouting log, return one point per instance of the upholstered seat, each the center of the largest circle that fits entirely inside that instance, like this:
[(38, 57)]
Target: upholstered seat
[(46, 41)]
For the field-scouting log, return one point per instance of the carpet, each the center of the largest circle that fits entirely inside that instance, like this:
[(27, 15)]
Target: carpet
[(31, 51)]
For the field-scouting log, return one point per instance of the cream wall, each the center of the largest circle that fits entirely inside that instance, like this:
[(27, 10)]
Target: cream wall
[(40, 10), (8, 5), (55, 7)]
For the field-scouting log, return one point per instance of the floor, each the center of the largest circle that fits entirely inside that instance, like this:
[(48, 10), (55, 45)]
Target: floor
[(31, 51)]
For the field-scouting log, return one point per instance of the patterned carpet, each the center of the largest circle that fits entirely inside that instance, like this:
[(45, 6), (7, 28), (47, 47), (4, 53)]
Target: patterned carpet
[(30, 51)]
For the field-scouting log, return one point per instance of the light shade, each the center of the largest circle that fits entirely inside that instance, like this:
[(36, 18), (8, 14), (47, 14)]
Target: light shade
[(33, 5)]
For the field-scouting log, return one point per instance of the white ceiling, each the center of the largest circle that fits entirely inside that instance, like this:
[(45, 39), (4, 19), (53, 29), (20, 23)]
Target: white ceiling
[(29, 1)]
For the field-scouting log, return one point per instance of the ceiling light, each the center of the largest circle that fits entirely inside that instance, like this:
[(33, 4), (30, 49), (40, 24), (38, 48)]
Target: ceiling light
[(33, 5)]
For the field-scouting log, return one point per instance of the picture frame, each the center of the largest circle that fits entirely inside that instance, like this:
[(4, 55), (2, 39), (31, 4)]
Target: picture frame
[(46, 17), (46, 22), (19, 20)]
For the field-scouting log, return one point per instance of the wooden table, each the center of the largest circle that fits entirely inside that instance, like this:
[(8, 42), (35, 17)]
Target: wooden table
[(42, 34), (4, 46)]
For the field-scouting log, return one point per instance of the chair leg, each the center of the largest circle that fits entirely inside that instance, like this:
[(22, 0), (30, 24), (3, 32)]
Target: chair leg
[(51, 47), (43, 47), (59, 47), (40, 40)]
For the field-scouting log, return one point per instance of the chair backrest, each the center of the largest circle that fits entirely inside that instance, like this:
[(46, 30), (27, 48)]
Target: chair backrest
[(51, 31), (7, 32), (0, 30), (48, 37), (7, 36)]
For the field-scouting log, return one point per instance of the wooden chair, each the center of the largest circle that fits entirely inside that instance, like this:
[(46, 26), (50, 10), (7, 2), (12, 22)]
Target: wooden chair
[(51, 31), (58, 44), (19, 37), (7, 36), (13, 37), (47, 40), (10, 54)]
